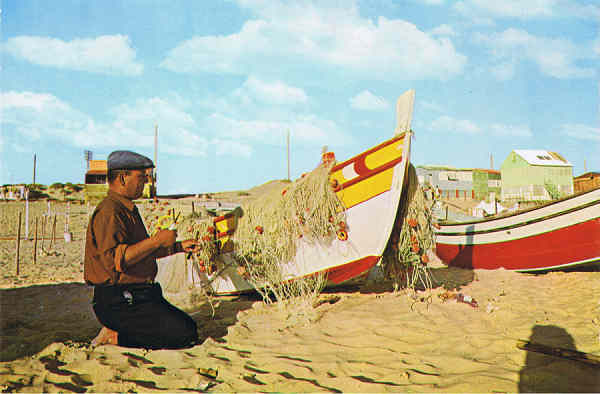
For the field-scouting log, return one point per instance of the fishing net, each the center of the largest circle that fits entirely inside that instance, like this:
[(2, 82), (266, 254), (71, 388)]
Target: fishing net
[(264, 240), (267, 235), (406, 257), (269, 227)]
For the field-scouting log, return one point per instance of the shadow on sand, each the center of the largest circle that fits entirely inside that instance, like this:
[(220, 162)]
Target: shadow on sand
[(553, 373), (36, 316)]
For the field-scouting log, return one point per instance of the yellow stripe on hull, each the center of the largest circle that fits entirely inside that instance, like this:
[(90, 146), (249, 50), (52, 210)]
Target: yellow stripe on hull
[(367, 188), (368, 174)]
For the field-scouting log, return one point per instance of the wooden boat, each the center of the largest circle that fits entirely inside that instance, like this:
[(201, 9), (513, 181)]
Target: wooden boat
[(370, 186), (558, 235)]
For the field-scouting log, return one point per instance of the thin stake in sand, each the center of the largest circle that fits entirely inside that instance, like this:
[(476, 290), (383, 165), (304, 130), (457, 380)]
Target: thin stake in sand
[(43, 231), (18, 242), (53, 232), (35, 241)]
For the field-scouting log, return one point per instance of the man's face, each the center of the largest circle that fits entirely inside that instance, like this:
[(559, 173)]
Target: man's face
[(134, 183)]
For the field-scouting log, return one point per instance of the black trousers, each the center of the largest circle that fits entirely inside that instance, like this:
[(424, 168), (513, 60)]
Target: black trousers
[(143, 318)]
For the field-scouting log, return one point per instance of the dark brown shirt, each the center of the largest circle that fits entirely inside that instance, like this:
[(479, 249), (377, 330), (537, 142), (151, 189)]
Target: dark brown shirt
[(114, 225)]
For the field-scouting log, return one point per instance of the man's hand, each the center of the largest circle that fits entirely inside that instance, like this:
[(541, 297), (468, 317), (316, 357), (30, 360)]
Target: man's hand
[(165, 238), (189, 245)]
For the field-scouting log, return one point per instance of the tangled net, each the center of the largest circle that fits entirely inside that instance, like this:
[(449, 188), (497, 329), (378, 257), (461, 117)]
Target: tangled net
[(266, 237), (406, 257)]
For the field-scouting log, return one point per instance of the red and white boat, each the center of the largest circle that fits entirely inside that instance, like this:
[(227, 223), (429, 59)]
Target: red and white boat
[(558, 235), (369, 184)]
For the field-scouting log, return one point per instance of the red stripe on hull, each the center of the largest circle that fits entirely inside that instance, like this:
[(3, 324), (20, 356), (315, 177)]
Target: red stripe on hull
[(351, 270), (571, 244), (364, 172), (363, 155), (337, 275)]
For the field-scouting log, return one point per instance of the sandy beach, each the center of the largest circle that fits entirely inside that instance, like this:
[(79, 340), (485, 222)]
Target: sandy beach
[(361, 339)]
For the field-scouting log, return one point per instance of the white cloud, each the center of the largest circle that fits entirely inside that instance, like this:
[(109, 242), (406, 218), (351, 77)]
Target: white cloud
[(287, 36), (103, 54), (581, 131), (443, 30), (530, 9), (510, 130), (240, 121), (448, 124), (504, 71), (231, 147), (430, 105), (306, 130), (275, 92), (554, 57), (367, 101), (43, 117)]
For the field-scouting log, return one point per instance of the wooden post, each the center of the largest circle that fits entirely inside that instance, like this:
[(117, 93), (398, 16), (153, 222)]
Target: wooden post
[(68, 217), (18, 242), (446, 212), (193, 210), (34, 168), (43, 230), (26, 213), (35, 241), (53, 232)]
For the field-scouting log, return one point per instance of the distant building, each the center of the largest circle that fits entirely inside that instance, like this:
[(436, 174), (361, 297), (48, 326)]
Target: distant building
[(587, 181), (451, 182), (96, 182), (96, 174), (96, 185), (535, 175), (487, 184)]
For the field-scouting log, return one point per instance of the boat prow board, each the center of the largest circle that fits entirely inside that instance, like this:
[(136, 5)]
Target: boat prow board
[(370, 186)]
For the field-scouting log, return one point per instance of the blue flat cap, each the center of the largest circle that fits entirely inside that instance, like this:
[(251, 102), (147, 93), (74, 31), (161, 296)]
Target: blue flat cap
[(126, 160)]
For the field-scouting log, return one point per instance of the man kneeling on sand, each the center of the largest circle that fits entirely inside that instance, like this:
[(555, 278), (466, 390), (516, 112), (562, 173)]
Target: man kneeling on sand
[(120, 262)]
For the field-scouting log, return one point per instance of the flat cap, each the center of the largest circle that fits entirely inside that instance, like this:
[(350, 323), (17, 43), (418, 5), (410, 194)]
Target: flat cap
[(126, 160)]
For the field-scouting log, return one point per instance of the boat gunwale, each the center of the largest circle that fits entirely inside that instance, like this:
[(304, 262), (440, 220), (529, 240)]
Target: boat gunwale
[(521, 224)]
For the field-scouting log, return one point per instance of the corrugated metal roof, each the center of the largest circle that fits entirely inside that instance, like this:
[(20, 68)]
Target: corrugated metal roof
[(543, 158)]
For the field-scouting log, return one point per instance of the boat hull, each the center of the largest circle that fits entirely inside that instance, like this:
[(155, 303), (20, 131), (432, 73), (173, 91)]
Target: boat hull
[(560, 235), (370, 187)]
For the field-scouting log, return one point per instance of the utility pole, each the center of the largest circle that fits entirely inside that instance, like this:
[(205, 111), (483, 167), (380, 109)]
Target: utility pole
[(154, 171), (584, 166), (288, 154), (33, 169), (491, 161)]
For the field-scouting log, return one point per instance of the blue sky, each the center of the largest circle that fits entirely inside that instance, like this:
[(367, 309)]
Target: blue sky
[(225, 81)]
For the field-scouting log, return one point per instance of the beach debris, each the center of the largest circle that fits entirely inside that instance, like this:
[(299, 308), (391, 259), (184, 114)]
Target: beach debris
[(466, 299), (491, 308), (445, 296), (460, 297)]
